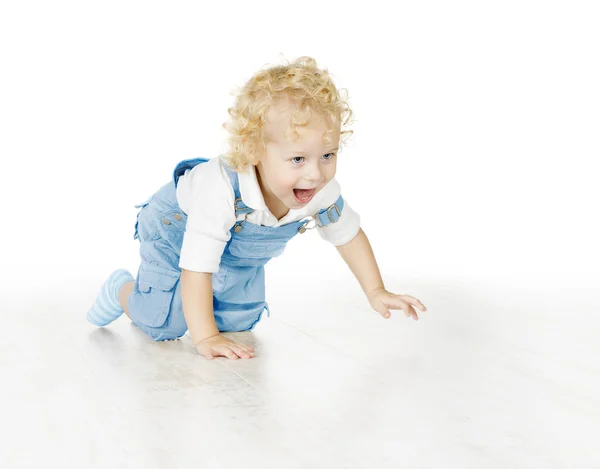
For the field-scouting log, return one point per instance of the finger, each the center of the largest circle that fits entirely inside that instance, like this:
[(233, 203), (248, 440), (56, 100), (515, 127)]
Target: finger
[(227, 352), (410, 312), (381, 309), (233, 343), (247, 348), (238, 350), (239, 346), (241, 352), (396, 303), (415, 302), (405, 305)]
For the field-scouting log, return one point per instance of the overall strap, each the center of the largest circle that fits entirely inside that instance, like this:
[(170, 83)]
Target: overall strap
[(330, 214), (239, 205), (184, 165)]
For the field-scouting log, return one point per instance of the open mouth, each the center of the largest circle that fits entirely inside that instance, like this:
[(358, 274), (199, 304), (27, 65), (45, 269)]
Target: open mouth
[(303, 196)]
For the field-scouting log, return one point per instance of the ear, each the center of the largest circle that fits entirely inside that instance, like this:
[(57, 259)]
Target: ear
[(257, 158)]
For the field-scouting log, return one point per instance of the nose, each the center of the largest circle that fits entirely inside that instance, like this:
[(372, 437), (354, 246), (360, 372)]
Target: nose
[(313, 172)]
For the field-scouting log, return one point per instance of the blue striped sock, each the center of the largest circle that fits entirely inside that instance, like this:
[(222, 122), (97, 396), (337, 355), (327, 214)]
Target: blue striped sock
[(106, 308)]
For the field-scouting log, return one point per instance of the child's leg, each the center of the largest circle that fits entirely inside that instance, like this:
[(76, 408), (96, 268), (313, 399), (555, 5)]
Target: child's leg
[(106, 308), (152, 300), (124, 297)]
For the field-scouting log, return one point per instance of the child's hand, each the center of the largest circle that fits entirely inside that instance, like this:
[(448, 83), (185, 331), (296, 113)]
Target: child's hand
[(219, 346), (382, 301)]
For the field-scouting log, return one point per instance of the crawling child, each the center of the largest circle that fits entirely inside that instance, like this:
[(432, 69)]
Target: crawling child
[(206, 235)]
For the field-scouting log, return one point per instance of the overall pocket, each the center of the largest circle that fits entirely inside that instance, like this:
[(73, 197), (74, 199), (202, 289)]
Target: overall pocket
[(156, 287), (171, 225)]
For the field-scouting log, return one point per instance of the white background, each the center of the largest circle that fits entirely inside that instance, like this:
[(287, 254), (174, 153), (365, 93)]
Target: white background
[(474, 167), (476, 127), (475, 137)]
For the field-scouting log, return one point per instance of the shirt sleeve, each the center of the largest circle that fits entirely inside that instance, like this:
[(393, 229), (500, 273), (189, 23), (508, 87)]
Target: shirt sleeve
[(347, 226), (206, 196)]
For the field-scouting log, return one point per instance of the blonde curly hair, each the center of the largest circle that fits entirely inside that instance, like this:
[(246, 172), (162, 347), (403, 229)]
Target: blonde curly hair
[(301, 82)]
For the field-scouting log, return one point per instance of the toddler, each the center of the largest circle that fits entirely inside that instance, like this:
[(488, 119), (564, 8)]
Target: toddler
[(206, 235)]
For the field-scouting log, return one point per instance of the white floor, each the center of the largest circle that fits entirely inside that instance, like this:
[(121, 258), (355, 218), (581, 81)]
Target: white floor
[(490, 377)]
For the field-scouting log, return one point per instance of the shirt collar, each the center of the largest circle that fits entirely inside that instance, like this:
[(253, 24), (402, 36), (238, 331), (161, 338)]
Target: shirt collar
[(250, 189)]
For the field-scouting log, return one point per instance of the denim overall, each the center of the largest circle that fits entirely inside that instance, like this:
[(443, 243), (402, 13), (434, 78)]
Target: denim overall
[(155, 303)]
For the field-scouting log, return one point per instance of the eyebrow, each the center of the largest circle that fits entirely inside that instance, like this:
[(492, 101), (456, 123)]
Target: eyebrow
[(302, 151)]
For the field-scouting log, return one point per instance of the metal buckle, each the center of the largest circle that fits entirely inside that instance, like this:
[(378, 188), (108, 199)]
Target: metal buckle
[(235, 204), (337, 209), (243, 210), (304, 228), (317, 221), (331, 207)]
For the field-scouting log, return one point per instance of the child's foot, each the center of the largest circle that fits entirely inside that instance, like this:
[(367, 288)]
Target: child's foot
[(106, 308)]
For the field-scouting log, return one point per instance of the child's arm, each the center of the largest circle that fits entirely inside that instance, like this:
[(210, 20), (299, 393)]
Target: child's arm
[(197, 300), (361, 260)]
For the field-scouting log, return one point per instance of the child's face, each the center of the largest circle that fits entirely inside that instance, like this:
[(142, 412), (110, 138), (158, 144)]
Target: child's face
[(290, 173)]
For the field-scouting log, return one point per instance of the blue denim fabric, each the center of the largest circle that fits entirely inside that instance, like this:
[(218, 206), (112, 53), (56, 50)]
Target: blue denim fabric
[(239, 302)]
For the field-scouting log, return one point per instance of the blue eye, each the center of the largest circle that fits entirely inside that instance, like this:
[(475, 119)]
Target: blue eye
[(300, 159)]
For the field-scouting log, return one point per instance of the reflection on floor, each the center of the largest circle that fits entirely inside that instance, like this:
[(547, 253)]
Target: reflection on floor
[(488, 378)]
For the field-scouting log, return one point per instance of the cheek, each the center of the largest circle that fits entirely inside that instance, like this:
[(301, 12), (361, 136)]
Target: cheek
[(330, 171), (289, 183), (284, 182)]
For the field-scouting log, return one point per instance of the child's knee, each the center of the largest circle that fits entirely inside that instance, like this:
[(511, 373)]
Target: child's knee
[(152, 297)]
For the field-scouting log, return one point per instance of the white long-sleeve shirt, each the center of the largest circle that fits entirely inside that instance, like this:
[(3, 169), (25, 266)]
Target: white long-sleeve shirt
[(205, 195)]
